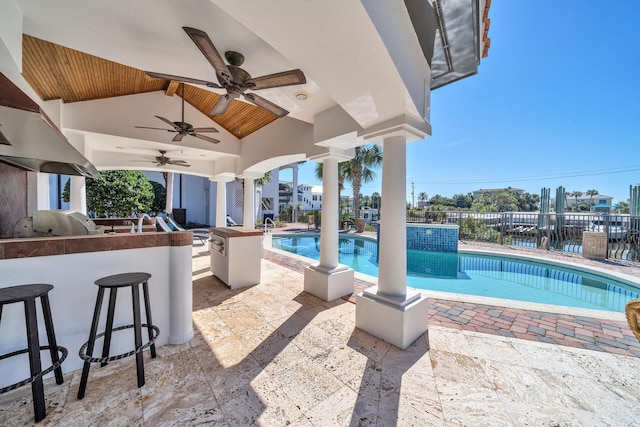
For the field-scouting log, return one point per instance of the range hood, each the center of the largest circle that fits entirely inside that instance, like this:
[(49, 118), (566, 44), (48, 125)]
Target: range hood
[(30, 141)]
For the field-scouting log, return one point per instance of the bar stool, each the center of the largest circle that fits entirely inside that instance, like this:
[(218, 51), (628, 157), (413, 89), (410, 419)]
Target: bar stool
[(27, 294), (112, 283)]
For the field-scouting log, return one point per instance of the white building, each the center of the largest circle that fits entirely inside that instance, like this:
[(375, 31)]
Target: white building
[(310, 197), (600, 199)]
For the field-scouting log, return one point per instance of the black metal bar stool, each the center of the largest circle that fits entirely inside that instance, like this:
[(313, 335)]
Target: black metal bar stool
[(27, 294), (86, 351)]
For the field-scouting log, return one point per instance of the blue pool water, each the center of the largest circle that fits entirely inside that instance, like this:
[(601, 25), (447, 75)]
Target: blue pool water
[(492, 276)]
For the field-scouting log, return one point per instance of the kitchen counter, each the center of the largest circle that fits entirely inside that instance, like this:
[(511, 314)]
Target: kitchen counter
[(231, 232), (73, 264), (63, 245), (236, 255)]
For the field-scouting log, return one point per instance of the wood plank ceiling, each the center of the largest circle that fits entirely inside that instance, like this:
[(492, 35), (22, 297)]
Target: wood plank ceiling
[(57, 72)]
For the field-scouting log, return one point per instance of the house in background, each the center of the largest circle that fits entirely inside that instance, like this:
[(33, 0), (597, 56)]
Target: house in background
[(310, 197), (600, 199)]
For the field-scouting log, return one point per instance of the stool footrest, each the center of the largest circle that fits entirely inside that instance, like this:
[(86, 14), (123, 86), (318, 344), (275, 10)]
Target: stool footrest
[(89, 358), (63, 351)]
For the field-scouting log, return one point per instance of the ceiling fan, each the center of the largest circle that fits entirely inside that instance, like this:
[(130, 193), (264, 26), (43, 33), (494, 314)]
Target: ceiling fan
[(182, 129), (233, 78), (163, 160)]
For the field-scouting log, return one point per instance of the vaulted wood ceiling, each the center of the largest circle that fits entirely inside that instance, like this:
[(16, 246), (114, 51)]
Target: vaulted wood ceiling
[(57, 72)]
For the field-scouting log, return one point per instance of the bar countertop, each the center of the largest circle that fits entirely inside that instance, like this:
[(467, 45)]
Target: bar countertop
[(231, 232), (64, 245)]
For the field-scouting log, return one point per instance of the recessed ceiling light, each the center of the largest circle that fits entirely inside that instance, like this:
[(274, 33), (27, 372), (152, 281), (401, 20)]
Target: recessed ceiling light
[(301, 96)]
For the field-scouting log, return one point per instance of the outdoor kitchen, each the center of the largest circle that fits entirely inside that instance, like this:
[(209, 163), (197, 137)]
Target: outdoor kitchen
[(69, 251)]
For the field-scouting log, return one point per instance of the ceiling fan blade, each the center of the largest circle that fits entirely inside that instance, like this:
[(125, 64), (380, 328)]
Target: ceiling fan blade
[(146, 127), (182, 79), (178, 163), (267, 105), (285, 78), (221, 106), (178, 137), (208, 49), (204, 130), (206, 138), (170, 123)]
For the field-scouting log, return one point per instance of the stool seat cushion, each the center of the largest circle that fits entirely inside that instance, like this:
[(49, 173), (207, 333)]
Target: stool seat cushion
[(121, 280), (19, 293)]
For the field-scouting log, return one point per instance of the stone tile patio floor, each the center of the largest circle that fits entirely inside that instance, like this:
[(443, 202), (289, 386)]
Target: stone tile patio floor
[(274, 355), (575, 331)]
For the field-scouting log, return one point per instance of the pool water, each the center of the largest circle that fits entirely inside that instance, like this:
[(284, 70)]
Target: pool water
[(492, 276)]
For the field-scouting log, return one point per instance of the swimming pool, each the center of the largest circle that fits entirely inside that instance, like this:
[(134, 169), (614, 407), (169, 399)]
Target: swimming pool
[(494, 276)]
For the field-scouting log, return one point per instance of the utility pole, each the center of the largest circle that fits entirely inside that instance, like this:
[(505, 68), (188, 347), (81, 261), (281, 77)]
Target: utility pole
[(413, 195)]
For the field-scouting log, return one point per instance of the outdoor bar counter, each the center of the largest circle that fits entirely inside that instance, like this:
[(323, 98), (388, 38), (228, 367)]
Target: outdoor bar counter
[(236, 255), (72, 265)]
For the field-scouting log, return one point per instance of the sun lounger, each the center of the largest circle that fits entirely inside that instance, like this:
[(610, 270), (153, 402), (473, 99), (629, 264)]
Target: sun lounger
[(232, 223), (198, 233)]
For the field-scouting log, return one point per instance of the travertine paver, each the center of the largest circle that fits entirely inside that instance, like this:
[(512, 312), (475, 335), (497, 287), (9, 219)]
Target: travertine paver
[(562, 329)]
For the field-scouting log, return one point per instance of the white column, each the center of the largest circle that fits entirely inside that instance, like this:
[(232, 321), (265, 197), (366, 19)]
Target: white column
[(212, 202), (329, 280), (221, 203), (329, 228), (44, 199), (294, 196), (169, 201), (78, 194), (392, 268), (181, 295), (388, 310), (248, 210)]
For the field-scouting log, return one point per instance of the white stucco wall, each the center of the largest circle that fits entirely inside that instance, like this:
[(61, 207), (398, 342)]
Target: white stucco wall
[(74, 295)]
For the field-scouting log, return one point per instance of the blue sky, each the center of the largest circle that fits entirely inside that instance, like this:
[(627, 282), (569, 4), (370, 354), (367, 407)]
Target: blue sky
[(556, 102)]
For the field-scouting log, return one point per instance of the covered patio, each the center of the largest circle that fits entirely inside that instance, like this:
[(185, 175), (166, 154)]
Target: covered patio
[(319, 81), (273, 354)]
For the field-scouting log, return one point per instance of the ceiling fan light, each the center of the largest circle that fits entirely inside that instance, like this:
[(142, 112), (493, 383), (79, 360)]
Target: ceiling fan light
[(301, 96)]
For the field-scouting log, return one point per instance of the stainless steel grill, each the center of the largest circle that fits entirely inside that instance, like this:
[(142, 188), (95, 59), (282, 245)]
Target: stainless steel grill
[(56, 223)]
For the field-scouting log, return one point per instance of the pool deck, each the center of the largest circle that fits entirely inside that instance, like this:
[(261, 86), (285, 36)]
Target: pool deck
[(580, 328), (273, 355)]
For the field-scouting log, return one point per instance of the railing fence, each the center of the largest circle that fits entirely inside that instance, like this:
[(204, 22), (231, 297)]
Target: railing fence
[(562, 232)]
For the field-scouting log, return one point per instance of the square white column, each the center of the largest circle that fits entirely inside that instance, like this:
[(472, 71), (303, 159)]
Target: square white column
[(396, 320), (328, 284)]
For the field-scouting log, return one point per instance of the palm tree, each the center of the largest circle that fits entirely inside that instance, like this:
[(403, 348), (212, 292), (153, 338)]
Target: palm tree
[(341, 172), (577, 194), (591, 194), (375, 200), (359, 170), (437, 200), (423, 197), (356, 171), (264, 180)]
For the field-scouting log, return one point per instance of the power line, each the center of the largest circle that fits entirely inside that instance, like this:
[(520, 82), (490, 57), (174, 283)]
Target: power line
[(538, 178)]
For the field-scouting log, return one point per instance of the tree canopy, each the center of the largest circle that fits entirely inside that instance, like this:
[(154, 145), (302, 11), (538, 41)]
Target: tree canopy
[(117, 193), (358, 170), (499, 201)]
